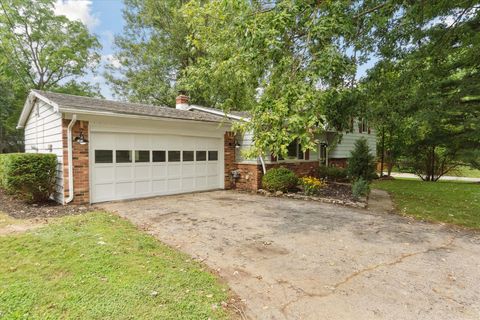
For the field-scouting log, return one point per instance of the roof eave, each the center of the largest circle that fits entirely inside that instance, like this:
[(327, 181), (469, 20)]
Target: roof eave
[(28, 106)]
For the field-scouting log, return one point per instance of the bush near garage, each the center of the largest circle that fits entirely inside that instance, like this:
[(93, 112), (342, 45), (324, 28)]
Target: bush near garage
[(333, 174), (279, 179), (360, 188), (361, 163), (29, 176)]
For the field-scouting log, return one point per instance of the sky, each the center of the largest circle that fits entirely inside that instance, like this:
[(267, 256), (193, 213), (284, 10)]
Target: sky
[(104, 19)]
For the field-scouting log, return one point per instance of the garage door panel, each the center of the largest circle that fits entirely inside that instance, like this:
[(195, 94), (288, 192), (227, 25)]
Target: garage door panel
[(174, 170), (142, 172), (123, 173), (124, 189), (174, 185), (142, 187), (161, 172), (104, 174), (159, 186)]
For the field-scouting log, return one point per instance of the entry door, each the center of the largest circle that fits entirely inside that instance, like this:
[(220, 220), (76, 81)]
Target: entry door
[(127, 166)]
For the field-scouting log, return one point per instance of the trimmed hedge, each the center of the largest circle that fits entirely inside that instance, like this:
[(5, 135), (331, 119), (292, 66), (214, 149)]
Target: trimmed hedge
[(332, 173), (30, 176), (279, 179)]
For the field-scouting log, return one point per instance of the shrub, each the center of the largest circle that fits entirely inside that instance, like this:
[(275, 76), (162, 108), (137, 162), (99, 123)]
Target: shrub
[(360, 188), (332, 173), (279, 179), (361, 163), (30, 176), (311, 185)]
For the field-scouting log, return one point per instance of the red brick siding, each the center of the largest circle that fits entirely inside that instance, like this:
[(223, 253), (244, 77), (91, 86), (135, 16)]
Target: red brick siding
[(229, 155), (81, 183), (341, 162), (251, 174)]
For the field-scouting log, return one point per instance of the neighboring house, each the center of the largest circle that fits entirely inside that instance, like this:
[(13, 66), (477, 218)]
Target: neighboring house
[(111, 150)]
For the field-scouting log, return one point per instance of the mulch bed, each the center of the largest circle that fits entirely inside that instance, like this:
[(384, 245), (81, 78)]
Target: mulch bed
[(340, 191), (19, 209)]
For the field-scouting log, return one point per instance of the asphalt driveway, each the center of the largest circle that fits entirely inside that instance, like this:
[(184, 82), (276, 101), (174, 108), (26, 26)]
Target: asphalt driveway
[(292, 259)]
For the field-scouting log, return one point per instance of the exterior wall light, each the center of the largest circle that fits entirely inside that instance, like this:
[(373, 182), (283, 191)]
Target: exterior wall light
[(81, 138)]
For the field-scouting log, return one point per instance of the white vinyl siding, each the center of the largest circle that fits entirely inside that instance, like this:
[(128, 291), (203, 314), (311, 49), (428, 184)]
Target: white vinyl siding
[(43, 134), (342, 150)]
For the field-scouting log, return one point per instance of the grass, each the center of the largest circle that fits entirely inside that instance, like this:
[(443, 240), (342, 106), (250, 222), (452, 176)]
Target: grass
[(99, 266), (6, 220), (465, 171), (451, 202)]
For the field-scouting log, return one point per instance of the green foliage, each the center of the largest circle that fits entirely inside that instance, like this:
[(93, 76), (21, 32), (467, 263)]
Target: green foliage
[(360, 188), (39, 50), (445, 201), (279, 179), (333, 173), (30, 176), (99, 266), (361, 163), (311, 185)]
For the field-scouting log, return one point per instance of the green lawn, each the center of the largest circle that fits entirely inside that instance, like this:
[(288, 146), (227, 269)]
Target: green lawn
[(465, 172), (99, 266), (451, 202)]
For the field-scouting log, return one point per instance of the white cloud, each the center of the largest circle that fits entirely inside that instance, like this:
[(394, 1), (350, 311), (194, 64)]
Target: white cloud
[(77, 10), (111, 59)]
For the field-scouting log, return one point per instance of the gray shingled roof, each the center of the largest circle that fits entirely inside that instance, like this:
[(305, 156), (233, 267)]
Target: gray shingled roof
[(95, 104)]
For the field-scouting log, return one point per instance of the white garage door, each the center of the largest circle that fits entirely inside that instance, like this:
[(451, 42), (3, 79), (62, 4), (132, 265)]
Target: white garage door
[(126, 166)]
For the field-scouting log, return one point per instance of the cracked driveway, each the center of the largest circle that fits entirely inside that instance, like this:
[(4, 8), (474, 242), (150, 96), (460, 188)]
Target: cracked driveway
[(292, 259)]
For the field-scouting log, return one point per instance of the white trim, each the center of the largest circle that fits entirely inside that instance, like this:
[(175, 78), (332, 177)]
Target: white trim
[(131, 116), (220, 113), (70, 159), (27, 107)]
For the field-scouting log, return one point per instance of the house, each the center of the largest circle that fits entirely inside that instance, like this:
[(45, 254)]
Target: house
[(111, 150)]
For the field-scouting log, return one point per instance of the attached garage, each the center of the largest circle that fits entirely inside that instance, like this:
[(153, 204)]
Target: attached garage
[(128, 166), (114, 150)]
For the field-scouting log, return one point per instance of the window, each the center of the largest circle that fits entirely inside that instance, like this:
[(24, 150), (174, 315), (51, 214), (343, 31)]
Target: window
[(294, 151), (173, 156), (363, 126), (142, 156), (201, 155), (123, 156), (158, 156), (212, 155), (103, 156), (188, 155)]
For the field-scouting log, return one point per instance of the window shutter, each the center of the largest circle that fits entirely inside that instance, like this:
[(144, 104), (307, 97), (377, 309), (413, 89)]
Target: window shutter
[(307, 154)]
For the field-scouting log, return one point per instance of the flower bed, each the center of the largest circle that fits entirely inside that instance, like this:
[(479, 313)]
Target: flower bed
[(334, 193)]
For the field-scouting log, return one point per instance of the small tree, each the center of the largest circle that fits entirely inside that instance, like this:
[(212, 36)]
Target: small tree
[(361, 163)]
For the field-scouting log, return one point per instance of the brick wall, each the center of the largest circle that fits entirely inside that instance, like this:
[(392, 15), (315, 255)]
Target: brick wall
[(340, 162), (251, 174), (229, 154), (81, 184)]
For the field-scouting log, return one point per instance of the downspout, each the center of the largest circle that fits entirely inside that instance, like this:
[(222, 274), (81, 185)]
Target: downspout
[(263, 164), (70, 159)]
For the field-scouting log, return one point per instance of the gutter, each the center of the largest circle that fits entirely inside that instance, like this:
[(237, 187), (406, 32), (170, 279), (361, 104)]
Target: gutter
[(70, 159)]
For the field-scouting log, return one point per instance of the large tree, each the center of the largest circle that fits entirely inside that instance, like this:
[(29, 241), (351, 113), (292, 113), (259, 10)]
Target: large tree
[(39, 50)]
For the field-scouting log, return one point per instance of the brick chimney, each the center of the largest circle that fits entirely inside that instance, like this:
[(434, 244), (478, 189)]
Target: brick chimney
[(181, 101)]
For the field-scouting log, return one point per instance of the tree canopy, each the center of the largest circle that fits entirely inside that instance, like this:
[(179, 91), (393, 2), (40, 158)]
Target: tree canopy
[(39, 50)]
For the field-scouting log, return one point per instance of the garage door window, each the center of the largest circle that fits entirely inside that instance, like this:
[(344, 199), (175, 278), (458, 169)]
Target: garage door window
[(124, 156), (142, 156), (158, 156), (188, 155), (173, 156), (212, 155), (103, 156), (201, 155)]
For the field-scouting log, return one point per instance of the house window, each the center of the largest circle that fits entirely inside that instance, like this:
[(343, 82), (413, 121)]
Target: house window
[(188, 155), (103, 156), (363, 126), (123, 156), (173, 156), (158, 156), (201, 155), (212, 155), (142, 156), (294, 151)]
